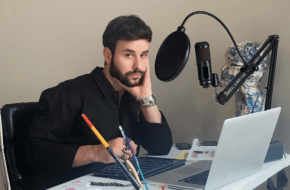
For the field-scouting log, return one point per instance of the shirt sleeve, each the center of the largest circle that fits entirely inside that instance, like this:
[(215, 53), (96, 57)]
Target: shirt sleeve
[(156, 138), (45, 147)]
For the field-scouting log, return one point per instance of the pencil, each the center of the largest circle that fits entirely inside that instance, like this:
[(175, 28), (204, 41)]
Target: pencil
[(137, 163), (118, 161)]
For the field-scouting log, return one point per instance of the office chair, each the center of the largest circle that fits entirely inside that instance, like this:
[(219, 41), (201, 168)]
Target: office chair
[(16, 120)]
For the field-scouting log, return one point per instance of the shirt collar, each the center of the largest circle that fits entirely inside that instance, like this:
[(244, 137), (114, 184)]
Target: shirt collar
[(102, 82), (107, 89)]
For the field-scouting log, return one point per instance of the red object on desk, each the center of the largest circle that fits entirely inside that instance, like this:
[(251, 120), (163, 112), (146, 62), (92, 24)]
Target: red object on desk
[(163, 187)]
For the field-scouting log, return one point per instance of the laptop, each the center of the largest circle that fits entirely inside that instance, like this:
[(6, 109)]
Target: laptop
[(241, 151)]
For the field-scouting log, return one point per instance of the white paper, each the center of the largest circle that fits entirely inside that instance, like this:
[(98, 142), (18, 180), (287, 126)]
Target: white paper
[(82, 188), (84, 183), (208, 152)]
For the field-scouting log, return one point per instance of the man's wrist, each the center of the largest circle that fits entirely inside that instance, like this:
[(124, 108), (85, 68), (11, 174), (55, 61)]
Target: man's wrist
[(148, 101), (95, 150), (151, 114), (143, 95)]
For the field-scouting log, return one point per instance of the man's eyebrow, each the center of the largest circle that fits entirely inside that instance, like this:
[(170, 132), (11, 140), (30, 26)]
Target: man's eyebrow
[(132, 51), (129, 50)]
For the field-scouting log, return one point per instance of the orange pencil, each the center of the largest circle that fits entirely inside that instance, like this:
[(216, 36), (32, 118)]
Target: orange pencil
[(103, 141)]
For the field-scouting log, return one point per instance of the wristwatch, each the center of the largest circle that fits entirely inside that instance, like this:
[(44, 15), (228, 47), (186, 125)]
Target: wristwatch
[(148, 101)]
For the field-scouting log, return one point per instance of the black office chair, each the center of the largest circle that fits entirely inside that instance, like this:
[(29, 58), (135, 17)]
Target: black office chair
[(16, 120)]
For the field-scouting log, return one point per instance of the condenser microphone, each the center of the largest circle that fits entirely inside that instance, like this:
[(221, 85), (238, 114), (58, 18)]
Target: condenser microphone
[(203, 64)]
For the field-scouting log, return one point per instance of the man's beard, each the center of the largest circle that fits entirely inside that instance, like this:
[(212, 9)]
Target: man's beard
[(124, 79)]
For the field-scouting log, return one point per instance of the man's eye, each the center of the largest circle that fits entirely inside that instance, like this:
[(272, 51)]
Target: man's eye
[(128, 55), (143, 55)]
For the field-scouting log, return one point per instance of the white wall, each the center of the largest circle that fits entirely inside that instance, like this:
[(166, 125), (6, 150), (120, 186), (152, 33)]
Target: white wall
[(43, 43)]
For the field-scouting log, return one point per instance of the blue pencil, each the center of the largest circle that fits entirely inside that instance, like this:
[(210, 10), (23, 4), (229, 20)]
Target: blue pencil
[(137, 163)]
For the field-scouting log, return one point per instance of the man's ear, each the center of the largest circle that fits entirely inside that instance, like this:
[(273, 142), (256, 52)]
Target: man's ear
[(107, 54)]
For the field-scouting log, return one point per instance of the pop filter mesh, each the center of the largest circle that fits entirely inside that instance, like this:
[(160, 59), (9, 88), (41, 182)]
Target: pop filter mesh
[(172, 56)]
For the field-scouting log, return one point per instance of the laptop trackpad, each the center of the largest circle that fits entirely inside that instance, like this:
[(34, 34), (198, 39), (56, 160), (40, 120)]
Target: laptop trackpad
[(188, 170)]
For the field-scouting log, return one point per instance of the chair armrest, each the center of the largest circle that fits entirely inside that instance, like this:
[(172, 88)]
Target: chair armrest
[(3, 165)]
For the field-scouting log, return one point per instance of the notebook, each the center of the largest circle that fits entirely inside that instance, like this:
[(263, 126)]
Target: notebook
[(241, 151)]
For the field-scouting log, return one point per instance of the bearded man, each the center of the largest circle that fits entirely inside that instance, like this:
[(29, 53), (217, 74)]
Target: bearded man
[(60, 146)]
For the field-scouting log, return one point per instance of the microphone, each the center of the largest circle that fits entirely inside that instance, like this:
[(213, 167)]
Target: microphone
[(173, 55), (203, 64)]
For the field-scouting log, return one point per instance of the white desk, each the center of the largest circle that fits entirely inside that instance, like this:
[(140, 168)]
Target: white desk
[(247, 183), (256, 179)]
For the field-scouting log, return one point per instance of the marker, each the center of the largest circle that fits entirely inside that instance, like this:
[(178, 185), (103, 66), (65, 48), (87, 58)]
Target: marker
[(255, 103), (137, 163), (118, 161)]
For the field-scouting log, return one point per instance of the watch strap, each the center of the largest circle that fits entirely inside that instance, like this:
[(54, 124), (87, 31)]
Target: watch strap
[(148, 101)]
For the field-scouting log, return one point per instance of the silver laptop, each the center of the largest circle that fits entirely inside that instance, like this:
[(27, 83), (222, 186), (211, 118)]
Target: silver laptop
[(241, 151)]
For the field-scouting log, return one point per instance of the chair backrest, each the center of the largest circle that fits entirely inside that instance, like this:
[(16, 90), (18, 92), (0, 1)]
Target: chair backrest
[(16, 121)]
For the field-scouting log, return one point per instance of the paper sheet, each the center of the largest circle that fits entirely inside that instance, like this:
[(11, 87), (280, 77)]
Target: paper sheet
[(200, 152), (182, 156), (84, 183), (151, 186), (82, 188)]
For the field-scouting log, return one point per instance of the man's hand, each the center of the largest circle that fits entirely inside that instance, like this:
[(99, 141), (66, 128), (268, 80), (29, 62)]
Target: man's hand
[(142, 91), (151, 114), (117, 145), (98, 153)]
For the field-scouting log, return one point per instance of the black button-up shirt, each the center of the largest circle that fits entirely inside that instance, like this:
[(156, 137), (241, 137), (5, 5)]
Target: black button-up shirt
[(58, 129)]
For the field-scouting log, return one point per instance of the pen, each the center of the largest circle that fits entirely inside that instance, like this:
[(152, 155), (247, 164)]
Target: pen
[(137, 163), (118, 161)]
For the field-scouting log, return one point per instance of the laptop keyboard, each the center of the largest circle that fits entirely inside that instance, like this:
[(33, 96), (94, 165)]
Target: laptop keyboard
[(198, 179), (150, 166)]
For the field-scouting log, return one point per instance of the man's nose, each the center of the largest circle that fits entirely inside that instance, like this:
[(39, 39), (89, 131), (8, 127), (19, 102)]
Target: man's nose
[(137, 63)]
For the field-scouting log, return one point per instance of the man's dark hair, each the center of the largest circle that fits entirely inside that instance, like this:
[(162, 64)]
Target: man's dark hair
[(125, 28)]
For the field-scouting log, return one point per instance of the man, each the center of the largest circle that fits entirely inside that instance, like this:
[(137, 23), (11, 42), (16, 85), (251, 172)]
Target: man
[(60, 146)]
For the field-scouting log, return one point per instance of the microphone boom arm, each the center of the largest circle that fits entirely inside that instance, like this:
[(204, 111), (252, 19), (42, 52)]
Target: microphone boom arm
[(209, 14), (250, 67)]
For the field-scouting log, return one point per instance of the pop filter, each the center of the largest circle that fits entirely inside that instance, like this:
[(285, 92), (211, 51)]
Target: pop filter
[(172, 55)]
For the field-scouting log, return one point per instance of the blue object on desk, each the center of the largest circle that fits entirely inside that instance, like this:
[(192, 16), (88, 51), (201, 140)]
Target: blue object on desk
[(150, 166), (275, 151)]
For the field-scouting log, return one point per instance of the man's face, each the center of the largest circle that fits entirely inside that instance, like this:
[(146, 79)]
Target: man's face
[(130, 62)]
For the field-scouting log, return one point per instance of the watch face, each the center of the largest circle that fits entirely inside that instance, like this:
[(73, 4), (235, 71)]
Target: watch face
[(149, 101)]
